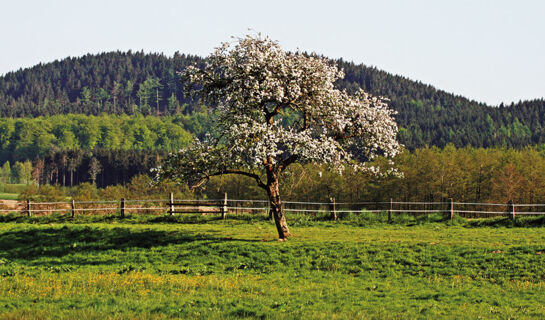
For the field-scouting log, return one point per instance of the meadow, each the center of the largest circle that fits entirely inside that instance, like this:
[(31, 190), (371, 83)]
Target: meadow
[(146, 267), (9, 196), (10, 191)]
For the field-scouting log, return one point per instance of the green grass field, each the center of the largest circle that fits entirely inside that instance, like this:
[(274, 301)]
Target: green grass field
[(142, 268), (8, 196), (11, 191)]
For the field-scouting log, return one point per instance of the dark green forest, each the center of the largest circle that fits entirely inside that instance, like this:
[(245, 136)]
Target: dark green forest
[(148, 84), (108, 117)]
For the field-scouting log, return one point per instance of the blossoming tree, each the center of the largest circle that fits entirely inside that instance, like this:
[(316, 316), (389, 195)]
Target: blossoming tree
[(275, 108)]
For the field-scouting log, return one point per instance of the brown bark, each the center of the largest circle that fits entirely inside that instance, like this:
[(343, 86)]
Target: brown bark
[(277, 208)]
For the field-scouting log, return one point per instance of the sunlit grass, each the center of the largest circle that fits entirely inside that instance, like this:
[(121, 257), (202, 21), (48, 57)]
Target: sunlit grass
[(235, 268), (8, 196)]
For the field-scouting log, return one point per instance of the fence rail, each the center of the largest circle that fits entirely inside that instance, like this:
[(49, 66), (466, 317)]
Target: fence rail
[(227, 206)]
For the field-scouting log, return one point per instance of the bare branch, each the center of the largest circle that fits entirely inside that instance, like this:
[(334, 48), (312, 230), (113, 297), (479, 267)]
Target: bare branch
[(226, 171)]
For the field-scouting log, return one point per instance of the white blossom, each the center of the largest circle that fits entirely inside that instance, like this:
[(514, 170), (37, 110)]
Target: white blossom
[(275, 107)]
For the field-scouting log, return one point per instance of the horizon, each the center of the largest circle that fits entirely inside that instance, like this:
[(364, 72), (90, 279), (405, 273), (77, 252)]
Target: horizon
[(370, 66), (486, 51)]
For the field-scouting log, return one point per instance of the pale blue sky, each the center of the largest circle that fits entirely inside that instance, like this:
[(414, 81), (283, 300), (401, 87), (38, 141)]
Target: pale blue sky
[(490, 51)]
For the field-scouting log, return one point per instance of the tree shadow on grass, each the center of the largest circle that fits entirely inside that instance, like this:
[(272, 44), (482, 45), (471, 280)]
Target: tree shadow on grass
[(520, 221), (131, 218), (36, 243)]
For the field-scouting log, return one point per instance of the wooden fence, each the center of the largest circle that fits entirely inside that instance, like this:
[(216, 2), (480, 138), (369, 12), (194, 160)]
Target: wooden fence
[(227, 206)]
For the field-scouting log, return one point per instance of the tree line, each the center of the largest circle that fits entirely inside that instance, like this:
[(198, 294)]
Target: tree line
[(29, 138), (111, 150), (106, 149), (18, 173), (148, 84), (431, 117), (490, 175), (100, 167), (113, 82)]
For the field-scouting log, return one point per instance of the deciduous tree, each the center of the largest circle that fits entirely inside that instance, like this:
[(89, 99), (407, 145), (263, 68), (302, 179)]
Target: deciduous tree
[(275, 108)]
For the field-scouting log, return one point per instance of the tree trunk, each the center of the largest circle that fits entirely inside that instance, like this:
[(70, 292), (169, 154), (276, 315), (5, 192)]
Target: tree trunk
[(276, 205)]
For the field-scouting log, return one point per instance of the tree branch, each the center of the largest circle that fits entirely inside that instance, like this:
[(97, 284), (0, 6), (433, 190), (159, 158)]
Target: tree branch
[(285, 163), (229, 171)]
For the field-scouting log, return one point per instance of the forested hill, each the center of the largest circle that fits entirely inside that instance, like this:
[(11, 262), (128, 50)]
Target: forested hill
[(135, 82)]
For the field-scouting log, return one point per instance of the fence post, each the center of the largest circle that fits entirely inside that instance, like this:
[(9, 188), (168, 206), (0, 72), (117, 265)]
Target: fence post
[(332, 208), (28, 210), (512, 205), (122, 208), (224, 208), (390, 211), (171, 205), (451, 209), (73, 205)]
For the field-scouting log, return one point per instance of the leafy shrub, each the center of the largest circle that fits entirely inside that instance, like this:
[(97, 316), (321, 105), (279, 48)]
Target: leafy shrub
[(113, 193), (85, 192), (12, 188), (43, 193)]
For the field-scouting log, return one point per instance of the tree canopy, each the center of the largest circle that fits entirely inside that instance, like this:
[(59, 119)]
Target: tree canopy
[(275, 108)]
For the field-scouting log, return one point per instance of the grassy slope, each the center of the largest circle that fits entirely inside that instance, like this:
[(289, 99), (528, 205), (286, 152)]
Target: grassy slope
[(235, 269)]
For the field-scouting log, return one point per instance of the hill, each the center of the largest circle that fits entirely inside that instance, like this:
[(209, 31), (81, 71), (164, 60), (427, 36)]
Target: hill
[(139, 83)]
